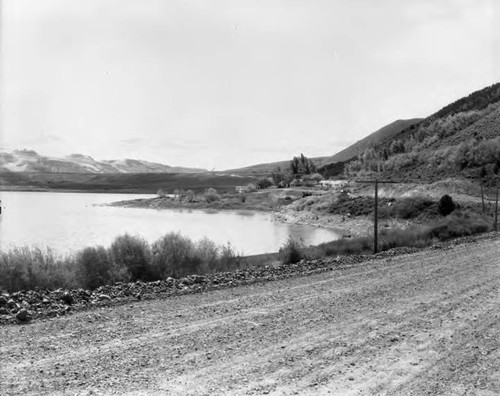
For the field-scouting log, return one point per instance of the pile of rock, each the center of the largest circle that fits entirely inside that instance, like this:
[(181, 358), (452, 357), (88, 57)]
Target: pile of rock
[(23, 306)]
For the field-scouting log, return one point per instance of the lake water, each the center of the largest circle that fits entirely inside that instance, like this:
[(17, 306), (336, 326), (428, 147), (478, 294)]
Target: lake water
[(67, 222)]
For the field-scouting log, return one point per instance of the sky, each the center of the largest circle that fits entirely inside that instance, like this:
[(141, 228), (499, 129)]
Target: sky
[(228, 83)]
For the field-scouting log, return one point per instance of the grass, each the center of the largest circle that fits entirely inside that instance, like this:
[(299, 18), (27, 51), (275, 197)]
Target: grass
[(130, 258), (457, 224), (147, 183)]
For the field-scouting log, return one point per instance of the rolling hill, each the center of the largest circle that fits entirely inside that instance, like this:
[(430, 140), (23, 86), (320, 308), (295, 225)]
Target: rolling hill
[(31, 161), (336, 162)]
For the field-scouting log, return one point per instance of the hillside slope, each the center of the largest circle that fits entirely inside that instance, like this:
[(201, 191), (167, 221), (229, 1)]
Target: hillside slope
[(378, 137), (31, 161), (462, 139), (381, 135)]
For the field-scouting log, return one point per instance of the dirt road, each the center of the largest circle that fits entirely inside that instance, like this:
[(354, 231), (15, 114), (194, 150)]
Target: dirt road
[(426, 323)]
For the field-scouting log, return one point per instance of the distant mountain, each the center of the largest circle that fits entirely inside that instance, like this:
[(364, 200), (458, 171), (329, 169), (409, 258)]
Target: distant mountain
[(335, 163), (31, 161), (461, 139)]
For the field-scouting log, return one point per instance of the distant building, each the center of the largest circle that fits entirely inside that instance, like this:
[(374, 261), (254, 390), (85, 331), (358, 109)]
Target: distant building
[(331, 184), (240, 189)]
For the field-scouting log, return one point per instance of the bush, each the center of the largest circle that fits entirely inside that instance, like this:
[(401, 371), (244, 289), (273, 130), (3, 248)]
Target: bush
[(208, 254), (446, 205), (458, 224), (291, 251), (94, 267), (411, 207), (189, 197), (227, 259), (31, 267), (131, 258), (211, 195), (173, 255), (264, 183), (250, 187)]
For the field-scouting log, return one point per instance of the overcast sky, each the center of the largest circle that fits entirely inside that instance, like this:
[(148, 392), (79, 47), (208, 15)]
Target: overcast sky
[(223, 84)]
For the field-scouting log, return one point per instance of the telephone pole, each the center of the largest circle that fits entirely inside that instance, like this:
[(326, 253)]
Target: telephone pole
[(376, 182)]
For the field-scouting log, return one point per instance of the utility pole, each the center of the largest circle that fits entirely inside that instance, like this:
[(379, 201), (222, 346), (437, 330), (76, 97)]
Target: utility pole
[(375, 210), (482, 195), (375, 220), (495, 226)]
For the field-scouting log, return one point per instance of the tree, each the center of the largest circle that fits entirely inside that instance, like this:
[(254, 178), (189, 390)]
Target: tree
[(211, 195), (281, 178), (264, 183), (302, 165), (190, 195), (446, 205)]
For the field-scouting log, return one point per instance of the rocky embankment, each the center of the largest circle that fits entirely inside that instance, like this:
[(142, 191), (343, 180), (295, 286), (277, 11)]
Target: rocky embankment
[(24, 306), (348, 226)]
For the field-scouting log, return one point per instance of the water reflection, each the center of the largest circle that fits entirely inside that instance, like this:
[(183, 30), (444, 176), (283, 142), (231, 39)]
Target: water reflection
[(70, 221)]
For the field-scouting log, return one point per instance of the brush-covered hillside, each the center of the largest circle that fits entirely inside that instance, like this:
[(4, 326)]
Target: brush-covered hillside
[(334, 165), (461, 139)]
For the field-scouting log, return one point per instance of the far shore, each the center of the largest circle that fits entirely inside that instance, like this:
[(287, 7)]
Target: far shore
[(346, 226)]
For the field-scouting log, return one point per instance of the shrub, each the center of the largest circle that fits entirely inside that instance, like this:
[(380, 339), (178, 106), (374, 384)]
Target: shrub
[(227, 259), (413, 237), (211, 195), (264, 183), (31, 267), (208, 254), (94, 267), (132, 254), (446, 205), (250, 187), (458, 224), (291, 251), (411, 207), (174, 255), (347, 246), (189, 197)]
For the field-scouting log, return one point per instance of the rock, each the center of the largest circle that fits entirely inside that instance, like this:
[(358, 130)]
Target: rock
[(4, 311), (103, 297), (67, 298), (12, 304), (22, 315), (3, 301)]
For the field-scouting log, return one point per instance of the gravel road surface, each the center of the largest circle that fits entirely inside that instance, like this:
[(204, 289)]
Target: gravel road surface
[(426, 323)]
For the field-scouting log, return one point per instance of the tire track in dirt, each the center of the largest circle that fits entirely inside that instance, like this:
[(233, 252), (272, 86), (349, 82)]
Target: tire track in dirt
[(298, 334)]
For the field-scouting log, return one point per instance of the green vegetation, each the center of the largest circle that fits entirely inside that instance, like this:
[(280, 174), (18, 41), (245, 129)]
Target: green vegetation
[(147, 183), (446, 205), (292, 251), (460, 139), (211, 195), (129, 258), (457, 224)]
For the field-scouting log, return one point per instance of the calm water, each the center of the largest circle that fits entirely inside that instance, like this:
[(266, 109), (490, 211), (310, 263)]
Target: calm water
[(69, 221)]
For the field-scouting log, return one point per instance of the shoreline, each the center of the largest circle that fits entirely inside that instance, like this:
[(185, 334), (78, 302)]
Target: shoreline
[(347, 227)]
